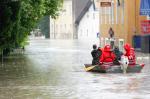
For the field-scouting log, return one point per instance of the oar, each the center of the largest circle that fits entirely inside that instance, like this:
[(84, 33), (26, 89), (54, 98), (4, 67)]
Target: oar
[(89, 68)]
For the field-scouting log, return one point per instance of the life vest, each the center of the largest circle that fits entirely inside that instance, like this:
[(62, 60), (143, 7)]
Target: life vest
[(127, 48), (107, 57), (130, 53), (132, 59)]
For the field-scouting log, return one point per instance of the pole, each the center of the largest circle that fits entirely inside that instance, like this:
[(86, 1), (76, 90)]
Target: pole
[(49, 27), (2, 57), (135, 18), (100, 25), (54, 29)]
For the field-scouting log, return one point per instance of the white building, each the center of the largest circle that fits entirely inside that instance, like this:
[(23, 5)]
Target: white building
[(62, 28), (89, 25)]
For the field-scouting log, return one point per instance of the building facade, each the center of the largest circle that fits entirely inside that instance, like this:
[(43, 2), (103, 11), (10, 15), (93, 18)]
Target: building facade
[(88, 27), (123, 16), (80, 7), (61, 27)]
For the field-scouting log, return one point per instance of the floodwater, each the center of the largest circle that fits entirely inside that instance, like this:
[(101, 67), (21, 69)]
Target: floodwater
[(53, 69)]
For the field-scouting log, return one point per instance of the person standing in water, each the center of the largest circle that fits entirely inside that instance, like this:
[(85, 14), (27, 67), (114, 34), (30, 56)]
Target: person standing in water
[(111, 37)]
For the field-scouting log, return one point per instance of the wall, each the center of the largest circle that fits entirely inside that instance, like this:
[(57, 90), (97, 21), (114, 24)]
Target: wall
[(78, 10), (89, 25), (62, 28), (126, 19)]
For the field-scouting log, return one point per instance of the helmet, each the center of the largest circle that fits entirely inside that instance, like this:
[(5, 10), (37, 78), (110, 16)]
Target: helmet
[(107, 48), (127, 47)]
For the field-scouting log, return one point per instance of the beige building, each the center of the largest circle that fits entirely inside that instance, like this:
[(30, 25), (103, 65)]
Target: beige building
[(61, 27), (123, 16)]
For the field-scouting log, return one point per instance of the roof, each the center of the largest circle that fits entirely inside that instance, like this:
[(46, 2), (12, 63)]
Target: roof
[(80, 8)]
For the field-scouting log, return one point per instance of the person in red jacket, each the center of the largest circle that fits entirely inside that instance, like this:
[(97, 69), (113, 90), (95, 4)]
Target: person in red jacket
[(130, 53), (127, 48), (107, 57)]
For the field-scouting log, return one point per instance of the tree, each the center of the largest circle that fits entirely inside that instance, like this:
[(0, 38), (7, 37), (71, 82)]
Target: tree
[(44, 26), (9, 27), (19, 17)]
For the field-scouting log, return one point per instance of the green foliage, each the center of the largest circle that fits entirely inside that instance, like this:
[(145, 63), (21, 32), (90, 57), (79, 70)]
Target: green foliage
[(18, 18), (44, 26), (9, 24)]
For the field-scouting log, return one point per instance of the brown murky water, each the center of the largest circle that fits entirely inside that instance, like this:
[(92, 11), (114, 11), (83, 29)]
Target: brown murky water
[(52, 69)]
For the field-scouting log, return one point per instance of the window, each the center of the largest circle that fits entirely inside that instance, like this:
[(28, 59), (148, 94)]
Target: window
[(70, 8), (121, 44), (56, 26), (93, 15), (65, 26), (102, 42), (81, 32), (107, 41), (51, 28), (106, 12), (87, 33), (148, 17), (100, 15), (112, 12), (87, 15), (123, 11), (109, 15), (117, 10)]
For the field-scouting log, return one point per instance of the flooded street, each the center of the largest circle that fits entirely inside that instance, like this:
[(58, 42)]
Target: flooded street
[(51, 69)]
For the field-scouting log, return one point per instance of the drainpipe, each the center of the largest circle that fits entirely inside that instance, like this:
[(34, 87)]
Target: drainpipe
[(54, 30), (135, 18), (49, 27), (94, 5)]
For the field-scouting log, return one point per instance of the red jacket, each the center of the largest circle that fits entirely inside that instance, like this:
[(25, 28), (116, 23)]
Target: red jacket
[(130, 53), (107, 55)]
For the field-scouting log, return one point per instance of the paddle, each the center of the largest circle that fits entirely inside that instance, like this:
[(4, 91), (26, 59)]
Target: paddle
[(90, 67)]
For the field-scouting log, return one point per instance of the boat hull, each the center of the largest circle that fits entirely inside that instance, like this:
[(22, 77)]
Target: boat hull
[(113, 69)]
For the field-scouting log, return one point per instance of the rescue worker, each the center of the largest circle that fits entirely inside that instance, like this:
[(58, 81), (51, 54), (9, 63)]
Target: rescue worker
[(96, 53), (107, 57), (130, 53), (118, 54)]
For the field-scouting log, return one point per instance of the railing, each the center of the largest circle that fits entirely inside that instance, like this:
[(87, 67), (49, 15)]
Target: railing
[(113, 42), (14, 53)]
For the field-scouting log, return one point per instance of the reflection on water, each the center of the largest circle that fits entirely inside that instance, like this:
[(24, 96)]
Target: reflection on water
[(54, 70)]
